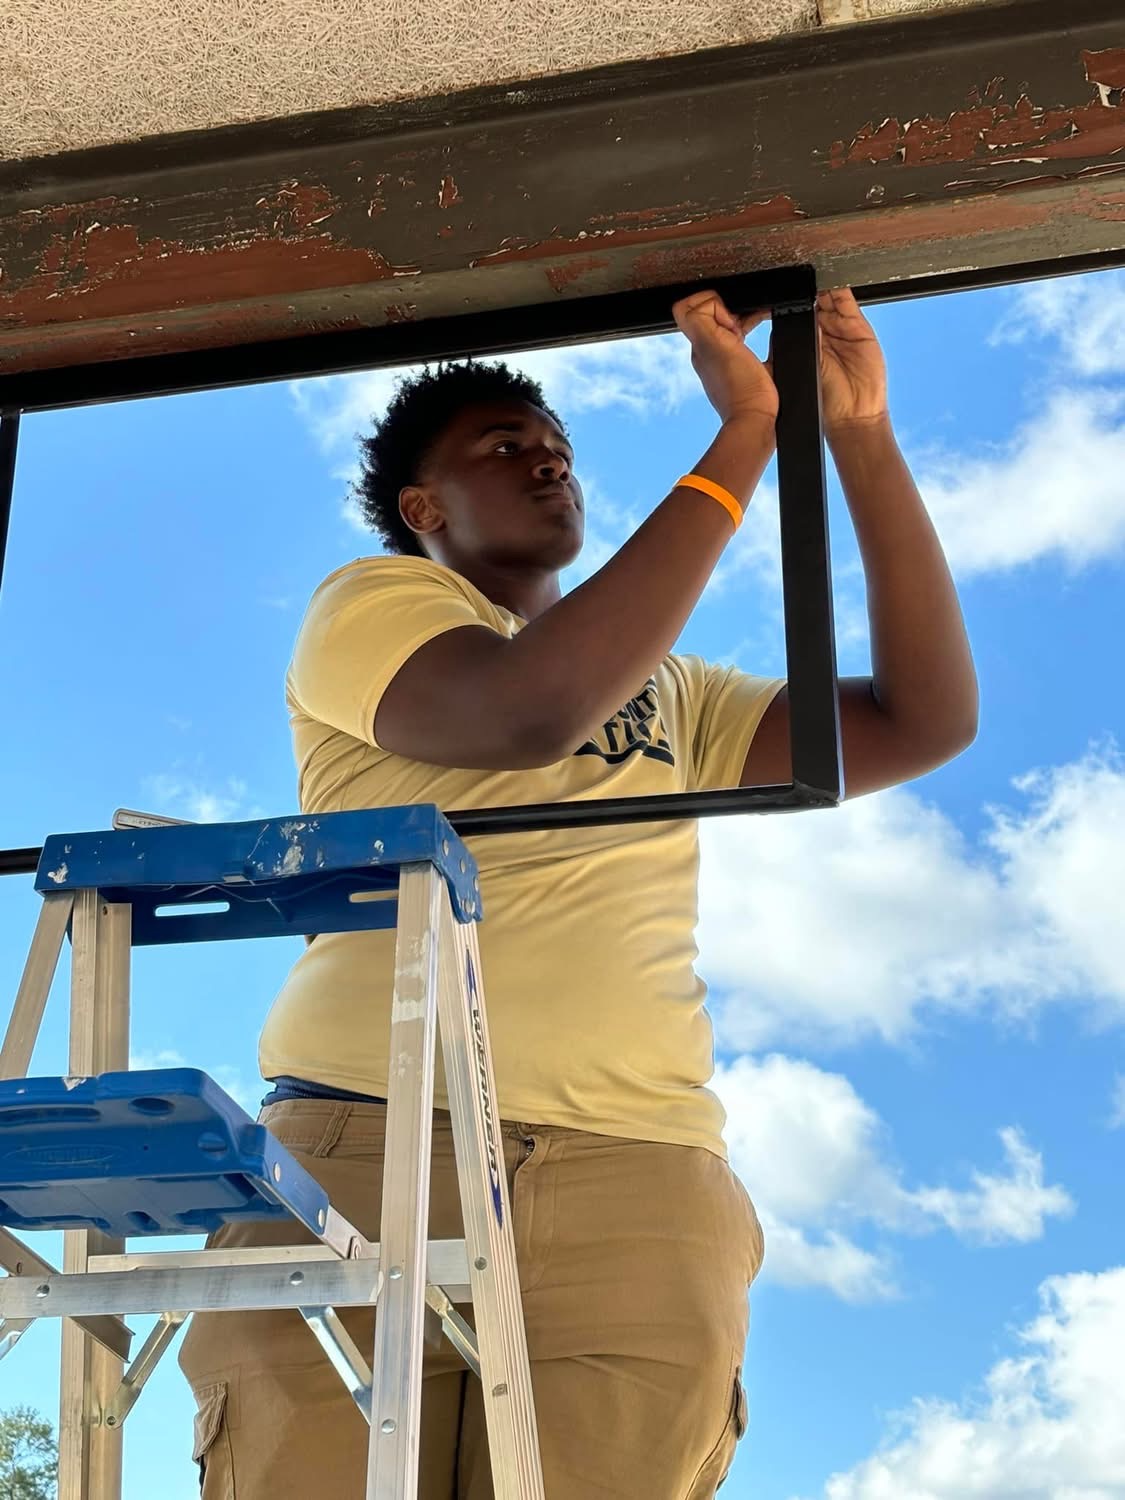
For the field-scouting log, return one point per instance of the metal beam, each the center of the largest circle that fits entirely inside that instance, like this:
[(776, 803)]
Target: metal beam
[(982, 137)]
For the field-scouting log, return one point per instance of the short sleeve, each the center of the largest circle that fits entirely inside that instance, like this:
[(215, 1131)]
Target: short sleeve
[(362, 625), (727, 707)]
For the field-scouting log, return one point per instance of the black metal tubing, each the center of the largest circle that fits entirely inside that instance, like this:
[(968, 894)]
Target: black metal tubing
[(977, 279), (542, 325), (810, 650), (478, 822), (806, 572), (9, 442)]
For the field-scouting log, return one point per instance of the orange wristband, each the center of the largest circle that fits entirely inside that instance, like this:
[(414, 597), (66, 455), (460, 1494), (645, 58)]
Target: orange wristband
[(716, 491)]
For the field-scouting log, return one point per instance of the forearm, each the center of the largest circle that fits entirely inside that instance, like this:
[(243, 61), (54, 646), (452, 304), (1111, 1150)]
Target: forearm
[(595, 648), (924, 678)]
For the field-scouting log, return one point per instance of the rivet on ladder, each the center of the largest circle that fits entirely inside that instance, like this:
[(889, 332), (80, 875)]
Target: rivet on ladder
[(480, 1263), (296, 1278), (387, 1426), (277, 1171), (500, 1390), (42, 1291), (395, 1273)]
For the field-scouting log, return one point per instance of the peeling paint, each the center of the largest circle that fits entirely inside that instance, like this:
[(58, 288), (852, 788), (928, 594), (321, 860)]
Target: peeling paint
[(990, 133), (55, 345), (768, 211), (559, 277), (935, 224), (1106, 68), (401, 312), (298, 206), (108, 270), (448, 193)]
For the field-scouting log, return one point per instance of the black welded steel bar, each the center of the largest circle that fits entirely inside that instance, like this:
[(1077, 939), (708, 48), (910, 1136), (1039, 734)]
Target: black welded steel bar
[(477, 822), (810, 644), (981, 278), (19, 861), (791, 295), (500, 331), (9, 442)]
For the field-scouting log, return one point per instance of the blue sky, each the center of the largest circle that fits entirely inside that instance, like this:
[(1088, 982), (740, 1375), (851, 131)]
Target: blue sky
[(919, 998)]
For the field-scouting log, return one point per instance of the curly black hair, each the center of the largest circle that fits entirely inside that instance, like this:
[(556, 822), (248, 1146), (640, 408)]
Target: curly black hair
[(422, 408)]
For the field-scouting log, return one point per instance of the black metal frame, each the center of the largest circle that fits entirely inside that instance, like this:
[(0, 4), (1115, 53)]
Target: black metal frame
[(806, 573), (790, 294), (9, 442)]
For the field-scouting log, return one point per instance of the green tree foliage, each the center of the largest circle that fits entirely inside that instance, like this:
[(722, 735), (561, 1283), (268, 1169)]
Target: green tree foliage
[(28, 1456)]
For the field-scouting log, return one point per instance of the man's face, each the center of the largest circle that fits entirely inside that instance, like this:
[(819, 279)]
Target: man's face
[(501, 477)]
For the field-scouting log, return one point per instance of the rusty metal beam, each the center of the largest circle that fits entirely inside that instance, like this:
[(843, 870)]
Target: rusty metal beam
[(962, 144)]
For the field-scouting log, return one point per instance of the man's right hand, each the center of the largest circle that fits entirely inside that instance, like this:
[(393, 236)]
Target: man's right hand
[(737, 383)]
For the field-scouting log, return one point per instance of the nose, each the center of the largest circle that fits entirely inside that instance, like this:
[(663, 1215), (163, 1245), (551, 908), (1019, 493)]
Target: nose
[(552, 467)]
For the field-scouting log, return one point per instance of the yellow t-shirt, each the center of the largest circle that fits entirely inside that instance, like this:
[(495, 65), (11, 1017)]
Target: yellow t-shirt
[(587, 946)]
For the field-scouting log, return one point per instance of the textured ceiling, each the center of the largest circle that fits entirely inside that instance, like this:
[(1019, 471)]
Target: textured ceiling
[(78, 73)]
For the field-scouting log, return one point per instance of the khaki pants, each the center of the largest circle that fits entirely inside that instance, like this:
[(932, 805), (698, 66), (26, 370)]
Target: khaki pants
[(634, 1259)]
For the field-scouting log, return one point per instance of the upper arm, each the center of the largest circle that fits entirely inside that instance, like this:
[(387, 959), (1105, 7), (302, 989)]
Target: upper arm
[(875, 752), (457, 702), (725, 706), (399, 653)]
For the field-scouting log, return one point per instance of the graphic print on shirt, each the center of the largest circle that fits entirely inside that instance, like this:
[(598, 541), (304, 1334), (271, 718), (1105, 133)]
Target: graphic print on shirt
[(636, 727)]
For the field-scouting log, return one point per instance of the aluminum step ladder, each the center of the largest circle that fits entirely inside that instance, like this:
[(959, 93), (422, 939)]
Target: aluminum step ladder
[(106, 1154)]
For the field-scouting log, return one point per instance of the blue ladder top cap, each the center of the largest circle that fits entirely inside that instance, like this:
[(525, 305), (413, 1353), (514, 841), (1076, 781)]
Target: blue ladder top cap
[(281, 858)]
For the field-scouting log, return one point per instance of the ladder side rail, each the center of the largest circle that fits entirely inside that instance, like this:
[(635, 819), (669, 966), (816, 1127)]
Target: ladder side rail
[(35, 985), (89, 1449), (400, 1326), (498, 1311)]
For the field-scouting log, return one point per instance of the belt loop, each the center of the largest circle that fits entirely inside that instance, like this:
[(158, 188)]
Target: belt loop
[(333, 1129)]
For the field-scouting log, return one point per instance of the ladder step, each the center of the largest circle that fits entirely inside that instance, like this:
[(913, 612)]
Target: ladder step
[(155, 1151)]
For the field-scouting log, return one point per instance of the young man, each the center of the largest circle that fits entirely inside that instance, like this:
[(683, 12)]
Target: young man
[(453, 671)]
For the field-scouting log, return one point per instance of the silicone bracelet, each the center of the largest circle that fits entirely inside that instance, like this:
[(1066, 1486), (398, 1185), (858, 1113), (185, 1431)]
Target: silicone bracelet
[(716, 491)]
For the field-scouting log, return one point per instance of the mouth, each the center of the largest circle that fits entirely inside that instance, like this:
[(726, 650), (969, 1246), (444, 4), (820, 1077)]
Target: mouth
[(556, 492)]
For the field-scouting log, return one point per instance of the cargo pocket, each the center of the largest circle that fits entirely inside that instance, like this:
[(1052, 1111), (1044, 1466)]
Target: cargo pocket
[(211, 1446), (741, 1408), (719, 1461)]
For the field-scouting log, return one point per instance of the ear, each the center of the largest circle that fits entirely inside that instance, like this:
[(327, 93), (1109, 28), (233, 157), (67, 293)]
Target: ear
[(419, 511)]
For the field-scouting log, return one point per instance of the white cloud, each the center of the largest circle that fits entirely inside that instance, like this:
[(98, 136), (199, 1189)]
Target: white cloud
[(999, 1207), (841, 924), (818, 1164), (1046, 1424), (1054, 490), (185, 797), (644, 376), (1117, 1110), (1084, 314), (165, 1057), (609, 525), (229, 1078), (828, 1259), (1066, 858)]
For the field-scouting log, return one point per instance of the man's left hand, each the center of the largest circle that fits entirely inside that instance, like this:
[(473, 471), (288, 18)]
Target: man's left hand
[(853, 375)]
